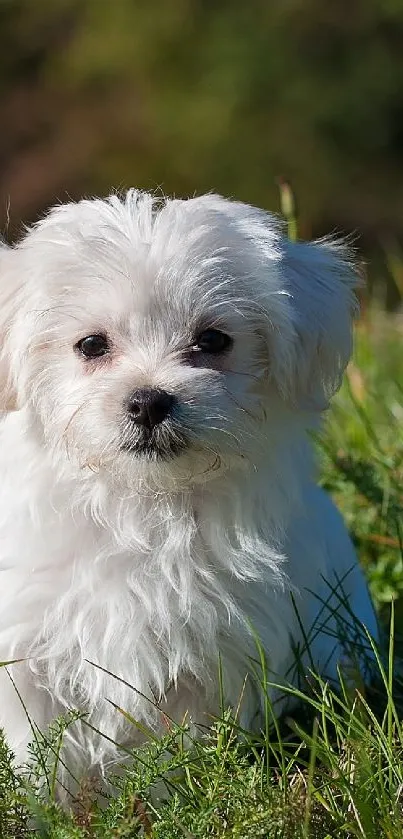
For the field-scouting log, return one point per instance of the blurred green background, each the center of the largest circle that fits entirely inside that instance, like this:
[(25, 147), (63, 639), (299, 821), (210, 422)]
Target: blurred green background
[(193, 95)]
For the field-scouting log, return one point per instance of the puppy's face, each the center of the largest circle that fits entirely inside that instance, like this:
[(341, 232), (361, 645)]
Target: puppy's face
[(148, 337)]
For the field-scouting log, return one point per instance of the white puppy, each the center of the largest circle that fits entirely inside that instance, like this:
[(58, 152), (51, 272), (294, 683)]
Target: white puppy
[(162, 364)]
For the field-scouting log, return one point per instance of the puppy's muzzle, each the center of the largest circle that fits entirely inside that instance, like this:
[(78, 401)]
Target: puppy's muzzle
[(149, 407)]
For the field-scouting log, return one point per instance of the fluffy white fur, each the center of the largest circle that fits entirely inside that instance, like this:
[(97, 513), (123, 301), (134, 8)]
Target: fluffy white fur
[(151, 567)]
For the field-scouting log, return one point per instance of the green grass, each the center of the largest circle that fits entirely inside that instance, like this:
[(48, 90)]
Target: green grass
[(362, 463), (336, 768)]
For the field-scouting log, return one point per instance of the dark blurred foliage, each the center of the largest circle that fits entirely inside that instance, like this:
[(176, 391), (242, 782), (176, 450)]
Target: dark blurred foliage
[(193, 95)]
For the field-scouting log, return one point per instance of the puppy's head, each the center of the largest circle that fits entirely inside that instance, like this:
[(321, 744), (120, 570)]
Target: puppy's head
[(145, 335)]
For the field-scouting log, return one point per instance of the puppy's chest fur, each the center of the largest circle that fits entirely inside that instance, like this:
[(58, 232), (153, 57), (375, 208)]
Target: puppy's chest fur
[(150, 590)]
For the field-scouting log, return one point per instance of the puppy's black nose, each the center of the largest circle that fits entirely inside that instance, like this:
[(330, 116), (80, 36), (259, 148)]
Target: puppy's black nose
[(148, 407)]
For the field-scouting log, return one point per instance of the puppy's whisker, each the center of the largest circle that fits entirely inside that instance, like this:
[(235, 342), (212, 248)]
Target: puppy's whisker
[(205, 447), (108, 444), (228, 433), (64, 435), (238, 406), (214, 467), (242, 435), (243, 373)]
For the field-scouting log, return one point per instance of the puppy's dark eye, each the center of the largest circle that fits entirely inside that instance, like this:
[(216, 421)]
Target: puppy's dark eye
[(93, 346), (213, 341)]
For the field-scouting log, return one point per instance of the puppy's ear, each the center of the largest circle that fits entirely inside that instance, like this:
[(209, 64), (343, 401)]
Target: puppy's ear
[(320, 282), (10, 285), (307, 292)]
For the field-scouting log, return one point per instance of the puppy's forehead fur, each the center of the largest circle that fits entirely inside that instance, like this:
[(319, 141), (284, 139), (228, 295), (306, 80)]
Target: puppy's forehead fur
[(177, 253)]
